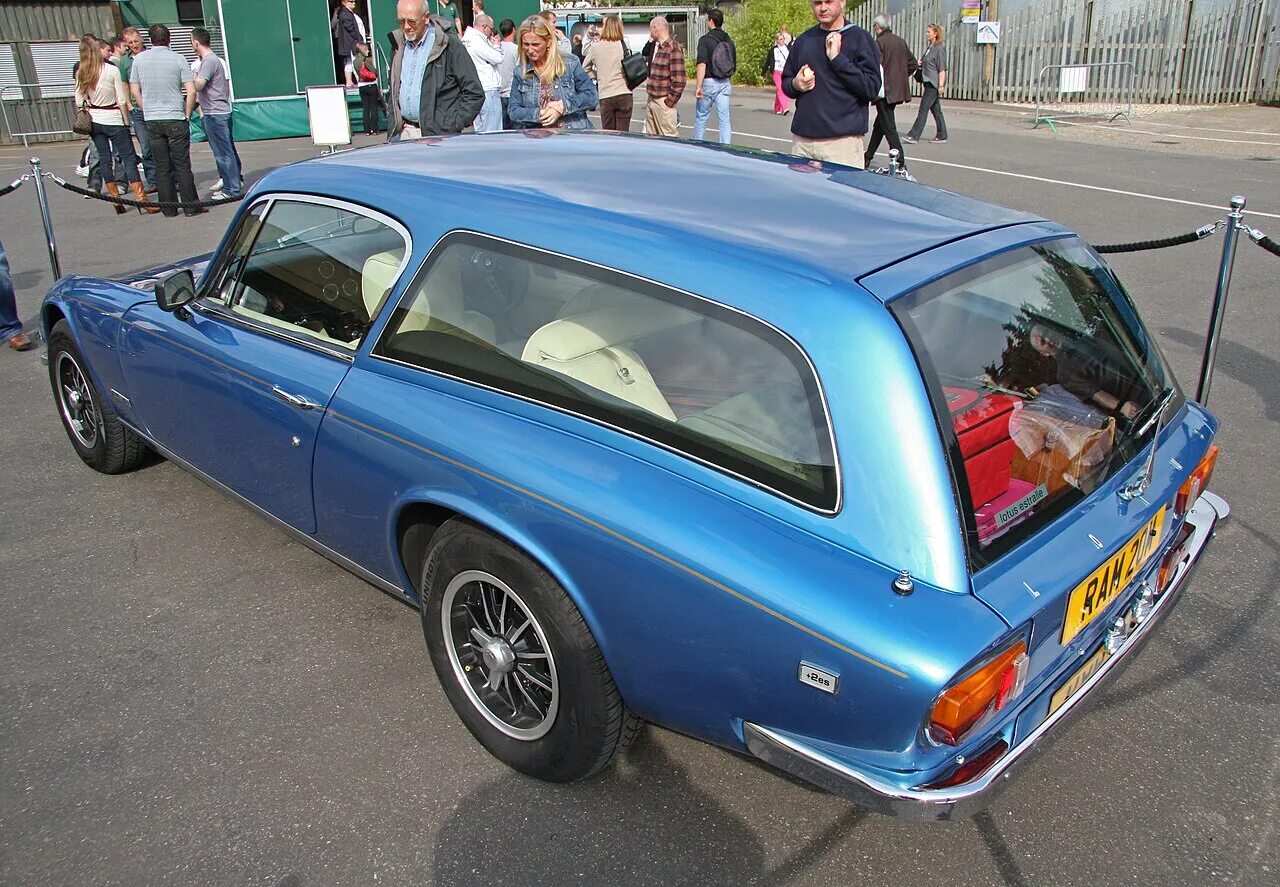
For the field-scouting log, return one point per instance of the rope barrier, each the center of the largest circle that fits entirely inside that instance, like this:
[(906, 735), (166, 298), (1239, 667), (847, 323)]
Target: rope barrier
[(125, 201), (14, 185), (1264, 241), (1199, 234)]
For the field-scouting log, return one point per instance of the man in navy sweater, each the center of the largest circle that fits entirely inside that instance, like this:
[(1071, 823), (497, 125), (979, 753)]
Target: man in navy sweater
[(833, 73)]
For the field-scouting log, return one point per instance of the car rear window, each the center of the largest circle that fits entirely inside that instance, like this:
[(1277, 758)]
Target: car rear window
[(694, 376), (1044, 380)]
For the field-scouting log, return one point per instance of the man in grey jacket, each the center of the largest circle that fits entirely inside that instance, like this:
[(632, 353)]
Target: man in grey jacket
[(435, 89)]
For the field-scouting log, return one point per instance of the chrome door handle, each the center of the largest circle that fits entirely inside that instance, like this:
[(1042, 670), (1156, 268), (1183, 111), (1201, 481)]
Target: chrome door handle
[(296, 400)]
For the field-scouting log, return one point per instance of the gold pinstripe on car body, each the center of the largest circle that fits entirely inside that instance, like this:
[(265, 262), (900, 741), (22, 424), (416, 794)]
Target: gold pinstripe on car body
[(620, 537)]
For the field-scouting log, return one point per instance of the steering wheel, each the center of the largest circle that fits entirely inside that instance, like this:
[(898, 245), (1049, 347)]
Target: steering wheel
[(493, 284)]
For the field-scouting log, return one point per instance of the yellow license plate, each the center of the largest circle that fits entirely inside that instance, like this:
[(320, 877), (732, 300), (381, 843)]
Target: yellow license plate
[(1090, 597), (1077, 680)]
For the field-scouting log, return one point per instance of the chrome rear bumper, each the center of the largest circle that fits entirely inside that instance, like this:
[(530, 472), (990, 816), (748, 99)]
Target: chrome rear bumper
[(961, 801)]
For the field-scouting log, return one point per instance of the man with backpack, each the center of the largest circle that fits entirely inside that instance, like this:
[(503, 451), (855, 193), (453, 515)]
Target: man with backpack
[(717, 60)]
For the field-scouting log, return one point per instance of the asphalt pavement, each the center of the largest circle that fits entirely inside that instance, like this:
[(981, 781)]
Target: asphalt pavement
[(189, 697)]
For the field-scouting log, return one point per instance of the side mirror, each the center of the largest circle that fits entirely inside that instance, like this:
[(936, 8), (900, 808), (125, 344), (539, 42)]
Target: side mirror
[(175, 290)]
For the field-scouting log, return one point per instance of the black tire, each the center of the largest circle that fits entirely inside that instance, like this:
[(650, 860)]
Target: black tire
[(586, 723), (101, 440)]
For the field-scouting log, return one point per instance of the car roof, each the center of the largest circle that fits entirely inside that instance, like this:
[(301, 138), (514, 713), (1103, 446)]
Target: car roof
[(816, 219)]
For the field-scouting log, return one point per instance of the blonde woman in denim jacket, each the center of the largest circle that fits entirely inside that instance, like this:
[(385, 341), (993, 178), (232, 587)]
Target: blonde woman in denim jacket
[(549, 89)]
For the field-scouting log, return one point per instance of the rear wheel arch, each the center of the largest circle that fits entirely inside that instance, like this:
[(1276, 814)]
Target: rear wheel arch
[(418, 522), (416, 526)]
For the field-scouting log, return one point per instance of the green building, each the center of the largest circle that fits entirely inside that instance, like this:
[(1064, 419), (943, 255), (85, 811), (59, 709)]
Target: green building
[(274, 50)]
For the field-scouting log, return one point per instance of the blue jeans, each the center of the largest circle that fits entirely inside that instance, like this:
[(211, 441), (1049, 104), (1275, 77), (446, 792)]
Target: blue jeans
[(114, 144), (144, 145), (218, 129), (490, 117), (714, 92), (10, 325)]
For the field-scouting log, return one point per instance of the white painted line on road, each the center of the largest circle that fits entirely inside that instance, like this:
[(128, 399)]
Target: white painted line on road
[(1243, 132), (1027, 112), (1169, 135), (1019, 175)]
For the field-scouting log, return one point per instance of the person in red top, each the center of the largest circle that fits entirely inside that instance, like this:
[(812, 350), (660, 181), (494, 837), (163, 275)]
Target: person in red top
[(666, 80)]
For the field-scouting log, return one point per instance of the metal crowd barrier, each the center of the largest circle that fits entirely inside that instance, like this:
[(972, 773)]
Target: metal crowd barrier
[(4, 112), (1074, 80), (1232, 225)]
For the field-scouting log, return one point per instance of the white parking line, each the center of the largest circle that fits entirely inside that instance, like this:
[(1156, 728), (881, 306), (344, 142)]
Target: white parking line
[(1024, 111), (1019, 175), (1171, 135), (1243, 132)]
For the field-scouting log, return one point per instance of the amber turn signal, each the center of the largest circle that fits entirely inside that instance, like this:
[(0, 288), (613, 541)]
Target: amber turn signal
[(1194, 485), (962, 706)]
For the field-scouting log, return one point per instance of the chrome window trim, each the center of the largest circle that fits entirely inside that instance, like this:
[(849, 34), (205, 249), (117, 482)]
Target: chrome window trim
[(442, 243), (213, 308), (217, 266), (210, 306)]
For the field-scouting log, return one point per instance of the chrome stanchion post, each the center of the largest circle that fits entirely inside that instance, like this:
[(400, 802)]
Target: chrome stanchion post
[(893, 161), (43, 199), (1233, 226)]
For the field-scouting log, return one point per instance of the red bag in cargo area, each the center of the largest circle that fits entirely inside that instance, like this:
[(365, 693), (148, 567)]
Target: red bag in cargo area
[(982, 430)]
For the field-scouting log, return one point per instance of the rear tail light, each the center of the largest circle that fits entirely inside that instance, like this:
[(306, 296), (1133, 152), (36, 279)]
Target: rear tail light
[(1194, 485), (966, 703), (972, 768), (1169, 563)]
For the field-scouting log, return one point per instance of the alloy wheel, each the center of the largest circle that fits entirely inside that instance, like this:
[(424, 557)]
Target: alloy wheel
[(75, 396), (500, 655)]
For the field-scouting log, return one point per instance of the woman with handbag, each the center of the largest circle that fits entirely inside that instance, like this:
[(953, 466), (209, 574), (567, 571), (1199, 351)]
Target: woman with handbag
[(604, 60), (370, 93), (549, 88), (103, 109), (932, 74)]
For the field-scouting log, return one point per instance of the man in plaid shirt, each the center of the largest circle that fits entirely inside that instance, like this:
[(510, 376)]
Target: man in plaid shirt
[(666, 80)]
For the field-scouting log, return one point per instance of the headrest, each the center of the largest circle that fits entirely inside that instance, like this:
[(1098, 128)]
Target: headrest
[(376, 278), (582, 334), (593, 297)]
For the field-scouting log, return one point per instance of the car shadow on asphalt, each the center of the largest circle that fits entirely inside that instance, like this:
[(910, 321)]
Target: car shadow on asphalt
[(1247, 366), (632, 822), (643, 820), (1241, 629)]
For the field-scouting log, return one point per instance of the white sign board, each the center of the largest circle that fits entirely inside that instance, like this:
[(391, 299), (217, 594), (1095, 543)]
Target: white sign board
[(1073, 79), (988, 32), (328, 116)]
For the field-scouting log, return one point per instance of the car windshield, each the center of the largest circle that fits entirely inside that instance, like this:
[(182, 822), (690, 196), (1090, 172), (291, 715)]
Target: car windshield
[(1046, 383)]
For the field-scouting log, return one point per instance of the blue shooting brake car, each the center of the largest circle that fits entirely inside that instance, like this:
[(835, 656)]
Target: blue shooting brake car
[(872, 481)]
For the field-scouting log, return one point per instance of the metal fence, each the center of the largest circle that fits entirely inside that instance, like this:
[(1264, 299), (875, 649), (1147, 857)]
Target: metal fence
[(26, 115), (1058, 86), (1226, 53)]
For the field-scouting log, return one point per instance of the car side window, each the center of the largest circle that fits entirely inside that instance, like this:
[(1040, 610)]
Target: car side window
[(684, 372), (313, 269), (223, 278)]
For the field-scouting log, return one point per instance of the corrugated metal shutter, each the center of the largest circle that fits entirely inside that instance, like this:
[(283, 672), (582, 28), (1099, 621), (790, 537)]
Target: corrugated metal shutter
[(180, 42), (53, 64), (9, 72)]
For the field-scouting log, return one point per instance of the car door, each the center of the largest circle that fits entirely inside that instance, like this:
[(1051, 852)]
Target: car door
[(237, 383)]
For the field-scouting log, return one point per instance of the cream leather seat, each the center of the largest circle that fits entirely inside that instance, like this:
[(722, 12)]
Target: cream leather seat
[(441, 300), (377, 278), (593, 297), (591, 348)]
